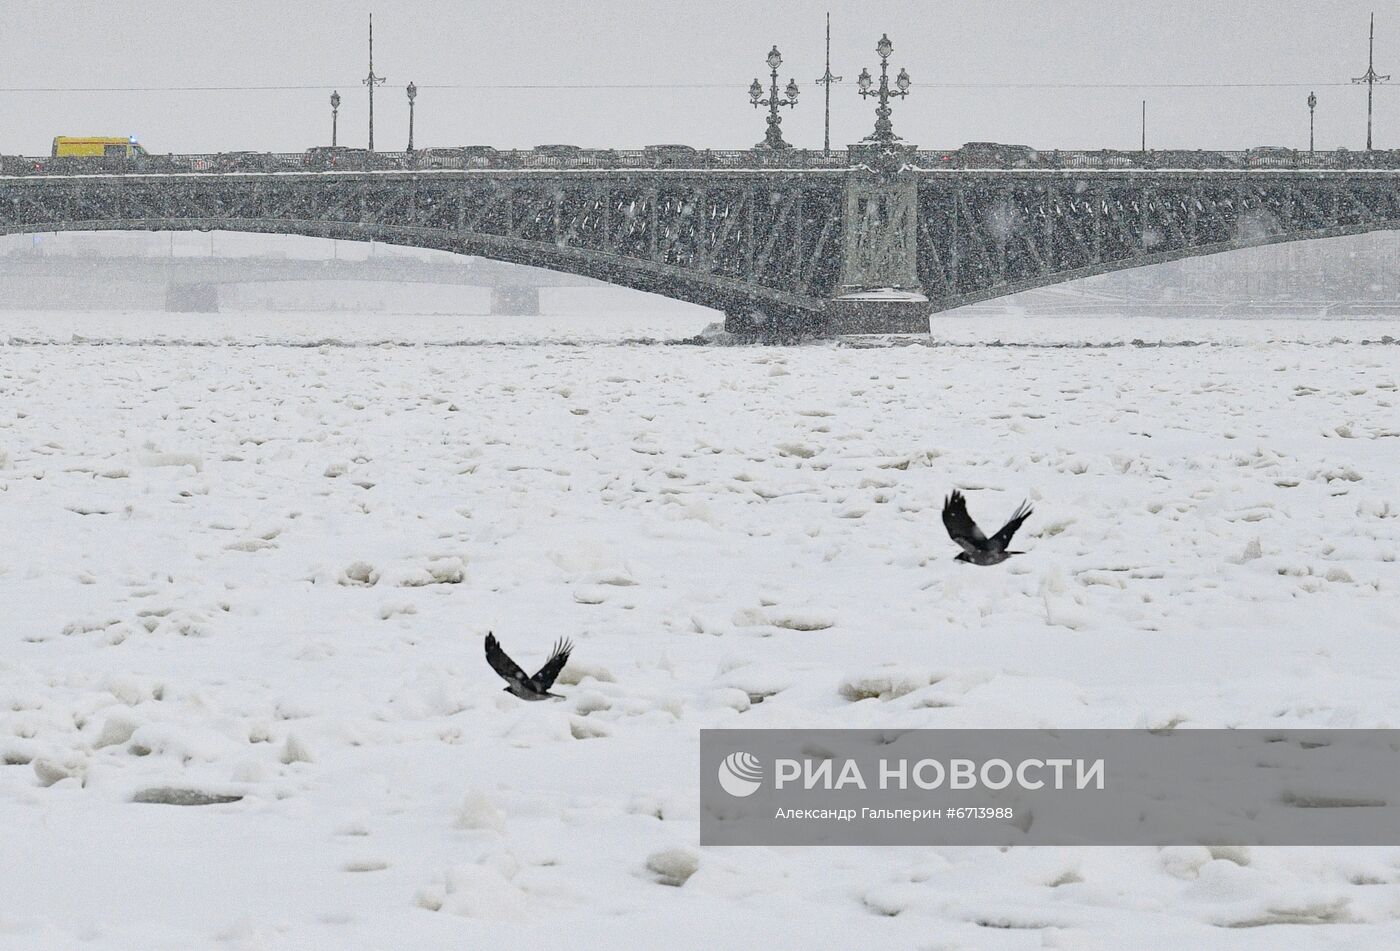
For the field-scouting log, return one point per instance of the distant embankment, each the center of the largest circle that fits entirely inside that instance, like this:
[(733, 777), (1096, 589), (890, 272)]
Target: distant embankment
[(1186, 308), (212, 283)]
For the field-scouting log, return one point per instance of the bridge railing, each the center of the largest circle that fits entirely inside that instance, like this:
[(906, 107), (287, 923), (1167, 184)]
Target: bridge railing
[(971, 156), (991, 156), (358, 160)]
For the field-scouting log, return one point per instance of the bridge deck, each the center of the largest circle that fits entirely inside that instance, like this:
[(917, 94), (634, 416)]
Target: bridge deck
[(1017, 158)]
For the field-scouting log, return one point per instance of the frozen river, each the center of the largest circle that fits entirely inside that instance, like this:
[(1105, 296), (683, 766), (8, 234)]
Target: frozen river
[(256, 556)]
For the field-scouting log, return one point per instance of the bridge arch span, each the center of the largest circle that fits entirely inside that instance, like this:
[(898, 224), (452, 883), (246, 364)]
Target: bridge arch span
[(984, 236), (1165, 257), (764, 241), (711, 291)]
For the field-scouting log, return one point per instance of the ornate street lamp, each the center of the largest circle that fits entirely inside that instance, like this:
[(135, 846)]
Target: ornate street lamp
[(774, 138), (884, 130), (412, 95), (335, 115)]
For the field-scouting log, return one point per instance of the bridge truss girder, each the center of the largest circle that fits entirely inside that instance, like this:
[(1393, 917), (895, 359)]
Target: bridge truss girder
[(770, 240), (987, 235)]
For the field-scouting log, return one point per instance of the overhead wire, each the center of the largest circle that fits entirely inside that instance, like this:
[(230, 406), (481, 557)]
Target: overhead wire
[(669, 86)]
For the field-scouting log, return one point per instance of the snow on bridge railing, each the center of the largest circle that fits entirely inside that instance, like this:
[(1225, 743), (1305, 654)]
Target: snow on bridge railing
[(971, 156), (474, 157), (993, 156)]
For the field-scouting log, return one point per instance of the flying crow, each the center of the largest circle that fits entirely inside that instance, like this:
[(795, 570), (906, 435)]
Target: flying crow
[(976, 547), (528, 688)]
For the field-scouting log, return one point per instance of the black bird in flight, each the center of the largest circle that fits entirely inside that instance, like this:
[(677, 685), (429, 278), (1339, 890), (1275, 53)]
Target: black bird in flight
[(976, 547), (528, 688)]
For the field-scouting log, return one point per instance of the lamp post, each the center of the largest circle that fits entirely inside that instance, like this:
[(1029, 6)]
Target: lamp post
[(1370, 78), (1312, 106), (412, 95), (335, 116), (884, 129), (371, 81), (826, 80), (774, 138)]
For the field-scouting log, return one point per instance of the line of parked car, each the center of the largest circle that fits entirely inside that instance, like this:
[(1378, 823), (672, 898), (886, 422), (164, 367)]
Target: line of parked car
[(998, 155), (345, 158)]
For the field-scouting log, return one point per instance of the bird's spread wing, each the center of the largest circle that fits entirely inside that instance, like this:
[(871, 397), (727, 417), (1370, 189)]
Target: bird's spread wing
[(961, 528), (501, 663), (544, 677), (1003, 538)]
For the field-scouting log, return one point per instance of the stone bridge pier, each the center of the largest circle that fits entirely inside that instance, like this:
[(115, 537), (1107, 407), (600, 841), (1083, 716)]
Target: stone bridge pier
[(878, 290)]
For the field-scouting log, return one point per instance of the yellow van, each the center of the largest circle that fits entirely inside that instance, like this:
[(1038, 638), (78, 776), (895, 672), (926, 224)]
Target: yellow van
[(99, 146)]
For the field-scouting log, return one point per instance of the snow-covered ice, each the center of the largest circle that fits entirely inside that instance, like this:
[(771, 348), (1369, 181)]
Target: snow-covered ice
[(250, 561)]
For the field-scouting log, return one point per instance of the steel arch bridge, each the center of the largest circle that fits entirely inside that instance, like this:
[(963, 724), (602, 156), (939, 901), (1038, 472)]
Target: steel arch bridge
[(874, 240)]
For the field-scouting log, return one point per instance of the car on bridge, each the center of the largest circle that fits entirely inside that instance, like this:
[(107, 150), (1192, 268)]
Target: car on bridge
[(243, 162), (76, 154), (996, 155), (1186, 158), (555, 156), (437, 158), (604, 157), (479, 156), (465, 156), (328, 157), (1271, 156), (671, 156), (96, 146), (1111, 158)]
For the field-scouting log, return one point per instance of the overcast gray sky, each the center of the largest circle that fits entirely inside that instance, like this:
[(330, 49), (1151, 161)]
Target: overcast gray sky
[(631, 43)]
